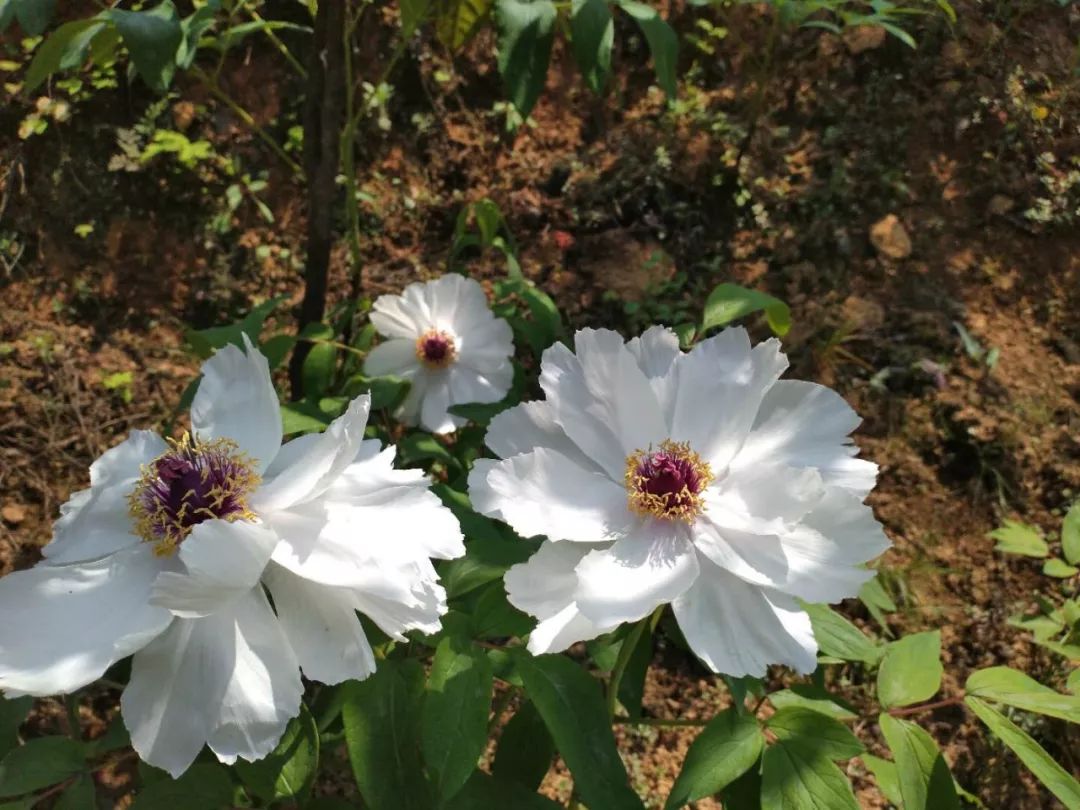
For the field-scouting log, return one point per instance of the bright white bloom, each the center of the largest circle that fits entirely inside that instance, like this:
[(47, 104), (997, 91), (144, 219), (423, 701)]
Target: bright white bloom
[(696, 479), (446, 342), (166, 556)]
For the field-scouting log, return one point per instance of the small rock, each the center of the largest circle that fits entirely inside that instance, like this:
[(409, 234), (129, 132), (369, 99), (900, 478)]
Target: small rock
[(890, 239), (13, 513), (863, 313), (1000, 205), (861, 38)]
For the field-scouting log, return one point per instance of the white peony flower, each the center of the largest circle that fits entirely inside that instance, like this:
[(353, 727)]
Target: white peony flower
[(446, 342), (696, 479), (169, 553)]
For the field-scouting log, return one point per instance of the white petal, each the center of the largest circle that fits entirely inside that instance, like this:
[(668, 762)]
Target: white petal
[(434, 415), (236, 400), (525, 427), (264, 690), (323, 459), (566, 627), (721, 383), (804, 424), (223, 562), (763, 499), (456, 303), (408, 413), (544, 492), (468, 385), (739, 629), (485, 344), (395, 618), (229, 679), (95, 521), (601, 399), (320, 623), (544, 584), (63, 626), (649, 567), (655, 350), (396, 317), (396, 356), (342, 549), (396, 510)]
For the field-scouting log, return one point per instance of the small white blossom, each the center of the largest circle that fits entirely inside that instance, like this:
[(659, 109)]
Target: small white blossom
[(445, 341), (169, 555), (697, 479)]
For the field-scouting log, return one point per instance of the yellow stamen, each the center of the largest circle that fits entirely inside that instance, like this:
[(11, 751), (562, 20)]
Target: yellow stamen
[(683, 500)]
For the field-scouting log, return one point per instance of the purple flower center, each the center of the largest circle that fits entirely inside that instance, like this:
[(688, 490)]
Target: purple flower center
[(667, 483), (192, 482), (436, 349)]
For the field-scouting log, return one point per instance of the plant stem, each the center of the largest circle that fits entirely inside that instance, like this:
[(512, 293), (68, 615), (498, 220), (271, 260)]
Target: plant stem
[(281, 46), (659, 722), (246, 117), (500, 707), (926, 707)]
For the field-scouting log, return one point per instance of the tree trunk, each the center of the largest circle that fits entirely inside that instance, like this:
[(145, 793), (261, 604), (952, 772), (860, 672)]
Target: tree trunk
[(323, 110)]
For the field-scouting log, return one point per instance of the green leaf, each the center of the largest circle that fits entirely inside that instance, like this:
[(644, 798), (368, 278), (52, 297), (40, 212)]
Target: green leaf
[(483, 792), (729, 302), (1013, 688), (592, 32), (418, 446), (910, 669), (65, 48), (525, 748), (7, 14), (289, 770), (572, 705), (13, 712), (526, 31), (727, 747), (202, 787), (886, 776), (153, 38), (490, 547), (877, 600), (42, 762), (1073, 683), (381, 716), (458, 20), (204, 341), (792, 778), (813, 698), (34, 15), (686, 333), (1056, 779), (413, 13), (493, 616), (193, 27), (1056, 567), (546, 324), (386, 392), (303, 417), (319, 365), (663, 43), (923, 774), (796, 726), (838, 637), (458, 697), (1070, 534), (1019, 538), (80, 795)]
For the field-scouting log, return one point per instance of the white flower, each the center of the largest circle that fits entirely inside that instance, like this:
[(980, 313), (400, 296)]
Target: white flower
[(166, 556), (446, 342), (695, 479)]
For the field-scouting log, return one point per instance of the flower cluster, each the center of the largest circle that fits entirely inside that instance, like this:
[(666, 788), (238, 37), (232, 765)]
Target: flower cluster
[(225, 563)]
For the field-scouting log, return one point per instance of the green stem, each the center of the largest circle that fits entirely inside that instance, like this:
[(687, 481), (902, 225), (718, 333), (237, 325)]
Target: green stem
[(659, 722), (246, 117), (625, 653), (281, 46)]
